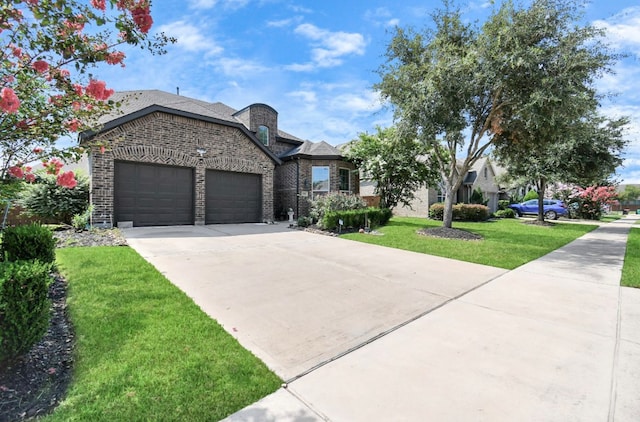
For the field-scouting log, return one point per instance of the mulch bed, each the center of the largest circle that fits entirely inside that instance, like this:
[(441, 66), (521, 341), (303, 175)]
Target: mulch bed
[(447, 233), (34, 384)]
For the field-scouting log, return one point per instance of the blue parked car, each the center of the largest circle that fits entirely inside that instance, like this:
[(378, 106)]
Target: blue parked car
[(553, 208)]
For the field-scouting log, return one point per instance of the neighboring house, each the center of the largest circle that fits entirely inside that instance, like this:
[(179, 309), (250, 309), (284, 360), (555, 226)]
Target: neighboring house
[(172, 160), (481, 175)]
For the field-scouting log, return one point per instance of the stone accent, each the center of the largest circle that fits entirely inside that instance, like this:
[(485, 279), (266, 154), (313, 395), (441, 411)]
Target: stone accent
[(162, 138)]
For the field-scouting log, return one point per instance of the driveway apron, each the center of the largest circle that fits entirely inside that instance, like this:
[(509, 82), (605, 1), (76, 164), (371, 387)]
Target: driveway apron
[(298, 300)]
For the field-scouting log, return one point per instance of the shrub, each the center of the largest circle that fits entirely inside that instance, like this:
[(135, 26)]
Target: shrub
[(81, 221), (505, 213), (45, 199), (530, 195), (24, 306), (477, 197), (28, 242), (304, 221), (356, 218), (335, 201), (503, 204), (461, 212)]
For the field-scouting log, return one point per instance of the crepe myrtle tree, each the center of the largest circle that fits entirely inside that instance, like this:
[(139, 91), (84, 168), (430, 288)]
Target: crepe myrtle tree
[(47, 48)]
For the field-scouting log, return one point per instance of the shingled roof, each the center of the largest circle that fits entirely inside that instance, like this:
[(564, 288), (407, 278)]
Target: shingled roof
[(313, 149), (135, 102)]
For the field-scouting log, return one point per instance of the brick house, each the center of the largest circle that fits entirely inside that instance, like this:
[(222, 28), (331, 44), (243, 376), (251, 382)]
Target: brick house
[(172, 160)]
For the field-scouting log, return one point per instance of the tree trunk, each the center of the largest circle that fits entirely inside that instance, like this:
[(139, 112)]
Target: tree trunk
[(542, 186), (447, 217)]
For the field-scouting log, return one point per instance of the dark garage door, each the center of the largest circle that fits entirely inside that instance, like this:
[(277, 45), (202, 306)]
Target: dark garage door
[(233, 197), (153, 195)]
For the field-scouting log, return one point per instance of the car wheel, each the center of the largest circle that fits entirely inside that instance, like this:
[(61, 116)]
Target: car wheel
[(516, 212), (551, 215)]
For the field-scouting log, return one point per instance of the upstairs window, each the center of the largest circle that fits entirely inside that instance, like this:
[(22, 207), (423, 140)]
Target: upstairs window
[(263, 135)]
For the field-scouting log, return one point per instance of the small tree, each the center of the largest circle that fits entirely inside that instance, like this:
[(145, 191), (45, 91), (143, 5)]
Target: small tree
[(593, 199), (532, 194), (46, 51), (398, 166)]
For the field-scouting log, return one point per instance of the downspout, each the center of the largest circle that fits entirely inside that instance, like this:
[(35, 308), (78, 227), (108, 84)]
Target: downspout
[(298, 187)]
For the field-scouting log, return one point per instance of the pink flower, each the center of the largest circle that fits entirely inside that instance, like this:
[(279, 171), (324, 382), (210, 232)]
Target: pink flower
[(116, 58), (16, 171), (76, 105), (78, 89), (32, 2), (73, 125), (67, 180), (37, 150), (102, 149), (141, 16), (30, 177), (97, 89), (99, 4), (16, 51), (9, 101), (53, 166), (40, 66)]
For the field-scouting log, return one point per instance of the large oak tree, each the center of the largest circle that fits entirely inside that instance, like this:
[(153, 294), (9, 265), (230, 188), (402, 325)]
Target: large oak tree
[(521, 79)]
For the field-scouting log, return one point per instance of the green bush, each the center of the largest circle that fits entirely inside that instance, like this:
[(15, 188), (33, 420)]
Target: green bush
[(477, 197), (503, 204), (530, 195), (28, 242), (81, 221), (335, 201), (24, 306), (461, 212), (46, 200), (505, 213), (304, 221), (356, 218)]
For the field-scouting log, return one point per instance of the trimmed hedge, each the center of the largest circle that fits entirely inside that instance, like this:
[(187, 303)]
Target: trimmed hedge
[(461, 212), (506, 213), (24, 306), (356, 218), (28, 242)]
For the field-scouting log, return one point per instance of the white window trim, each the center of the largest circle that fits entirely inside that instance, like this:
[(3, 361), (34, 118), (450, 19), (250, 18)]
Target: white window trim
[(348, 179)]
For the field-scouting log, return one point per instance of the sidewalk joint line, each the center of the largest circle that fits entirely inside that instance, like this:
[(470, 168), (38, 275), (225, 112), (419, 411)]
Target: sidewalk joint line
[(389, 331)]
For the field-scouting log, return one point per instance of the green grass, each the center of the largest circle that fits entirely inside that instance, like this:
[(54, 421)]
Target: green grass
[(631, 269), (608, 218), (506, 243), (145, 351)]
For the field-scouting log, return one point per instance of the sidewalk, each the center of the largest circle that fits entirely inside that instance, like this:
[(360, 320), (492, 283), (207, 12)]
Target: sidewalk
[(556, 339)]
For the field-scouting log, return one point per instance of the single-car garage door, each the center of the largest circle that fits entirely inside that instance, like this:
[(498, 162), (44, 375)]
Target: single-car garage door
[(153, 195), (233, 197)]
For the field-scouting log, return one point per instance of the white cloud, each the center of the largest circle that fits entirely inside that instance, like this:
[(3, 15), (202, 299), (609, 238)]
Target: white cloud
[(238, 67), (366, 102), (623, 29), (210, 4), (190, 37), (381, 16), (284, 22), (308, 97), (329, 48)]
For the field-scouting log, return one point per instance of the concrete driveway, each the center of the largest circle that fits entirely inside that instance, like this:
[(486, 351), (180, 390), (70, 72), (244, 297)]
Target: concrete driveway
[(299, 300)]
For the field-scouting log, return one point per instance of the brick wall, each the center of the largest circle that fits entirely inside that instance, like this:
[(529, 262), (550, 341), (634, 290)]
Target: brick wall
[(162, 138), (299, 199)]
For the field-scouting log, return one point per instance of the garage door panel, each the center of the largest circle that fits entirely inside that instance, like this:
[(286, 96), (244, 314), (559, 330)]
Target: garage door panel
[(150, 194), (233, 197)]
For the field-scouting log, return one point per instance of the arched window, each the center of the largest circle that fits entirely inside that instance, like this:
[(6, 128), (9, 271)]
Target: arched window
[(263, 135)]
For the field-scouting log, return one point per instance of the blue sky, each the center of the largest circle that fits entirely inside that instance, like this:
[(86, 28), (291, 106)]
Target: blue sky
[(315, 61)]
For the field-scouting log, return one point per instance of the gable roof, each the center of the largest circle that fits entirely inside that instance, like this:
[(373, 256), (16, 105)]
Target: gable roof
[(136, 104)]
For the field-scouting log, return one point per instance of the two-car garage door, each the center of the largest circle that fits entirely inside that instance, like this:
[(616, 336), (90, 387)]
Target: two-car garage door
[(160, 195)]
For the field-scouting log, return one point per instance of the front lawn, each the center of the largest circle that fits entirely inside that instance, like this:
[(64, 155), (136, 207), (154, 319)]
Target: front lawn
[(506, 243), (631, 269), (145, 351)]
